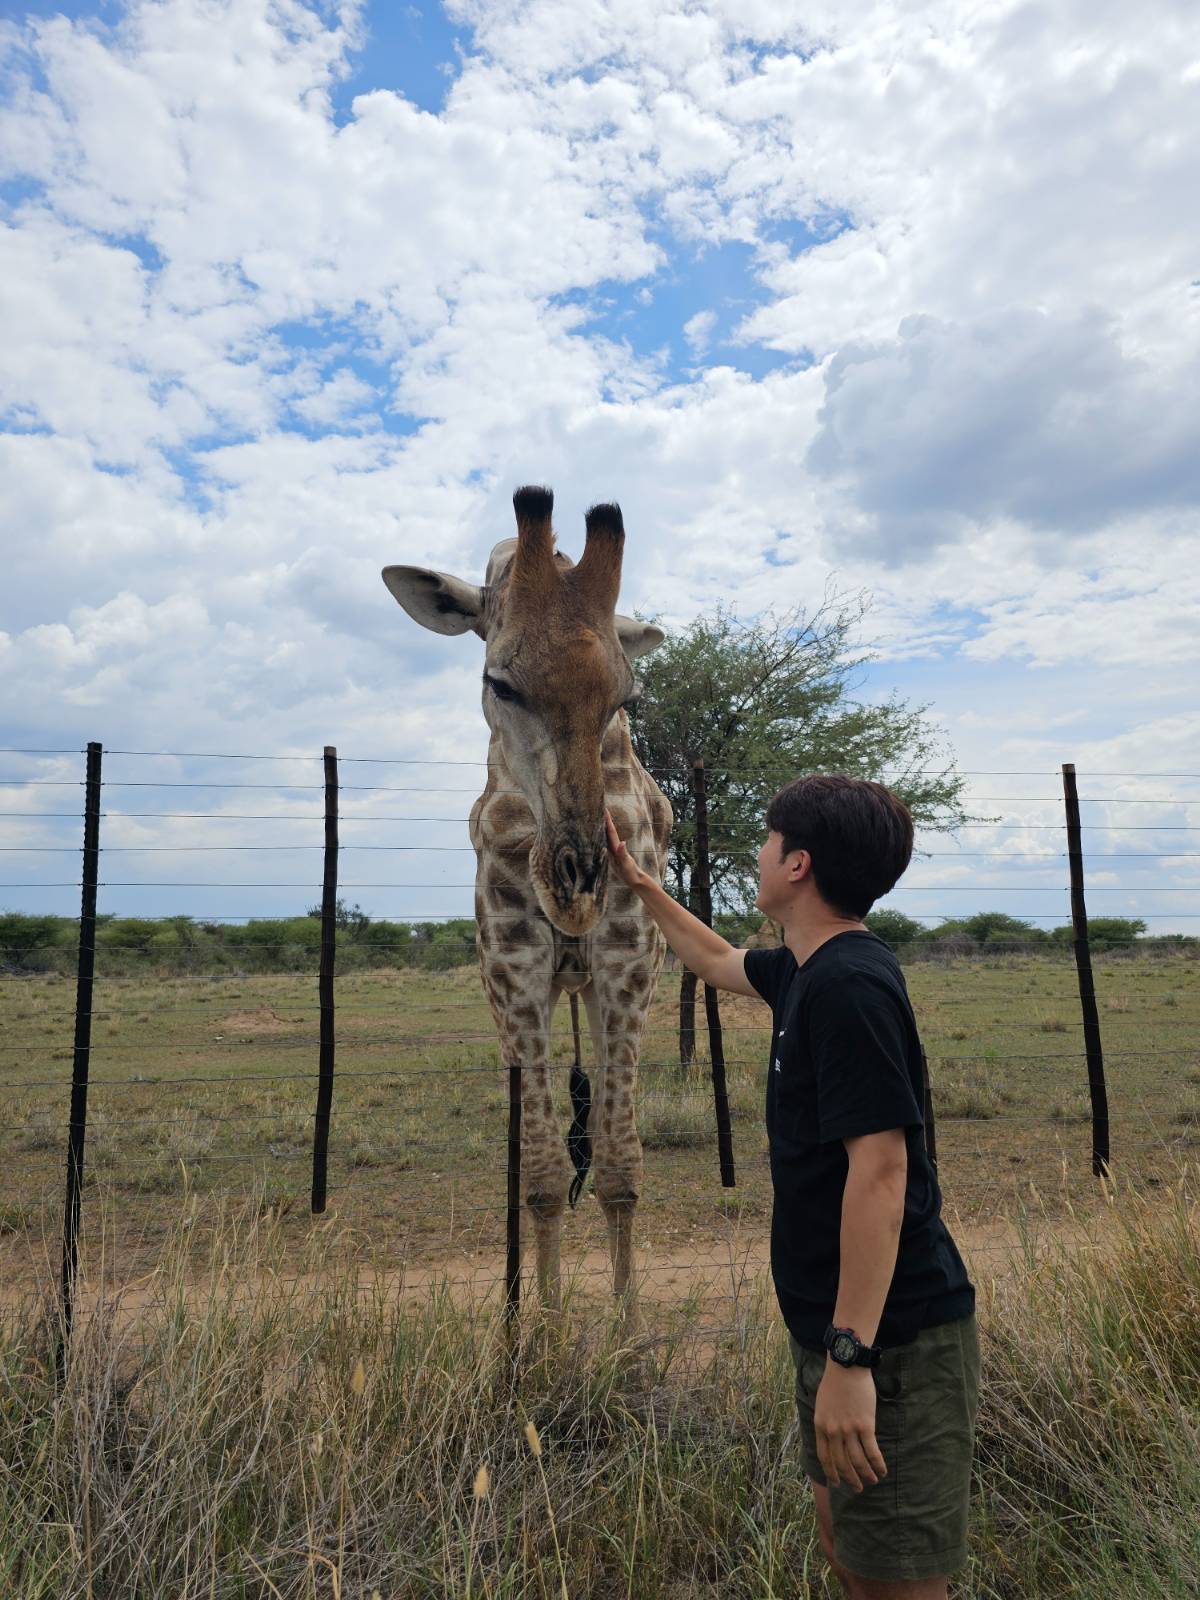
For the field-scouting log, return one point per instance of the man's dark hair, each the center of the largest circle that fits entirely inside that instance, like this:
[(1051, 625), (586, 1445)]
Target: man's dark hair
[(859, 835)]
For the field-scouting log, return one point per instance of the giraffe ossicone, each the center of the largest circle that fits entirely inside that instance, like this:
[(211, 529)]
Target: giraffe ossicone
[(556, 680)]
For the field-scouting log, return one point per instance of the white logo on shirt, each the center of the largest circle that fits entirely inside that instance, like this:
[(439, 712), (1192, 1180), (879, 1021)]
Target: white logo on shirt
[(778, 1068)]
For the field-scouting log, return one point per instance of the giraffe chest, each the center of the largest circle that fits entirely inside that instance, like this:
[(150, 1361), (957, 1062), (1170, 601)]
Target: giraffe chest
[(572, 963)]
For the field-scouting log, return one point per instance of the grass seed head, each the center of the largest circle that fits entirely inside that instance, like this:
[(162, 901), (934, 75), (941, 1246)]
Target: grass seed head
[(359, 1380), (482, 1480), (531, 1437)]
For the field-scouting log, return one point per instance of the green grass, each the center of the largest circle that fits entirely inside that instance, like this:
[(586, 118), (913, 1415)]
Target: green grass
[(213, 1087)]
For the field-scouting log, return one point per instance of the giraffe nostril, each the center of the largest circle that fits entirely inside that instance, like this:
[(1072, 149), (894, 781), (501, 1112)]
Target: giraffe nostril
[(592, 874), (578, 870)]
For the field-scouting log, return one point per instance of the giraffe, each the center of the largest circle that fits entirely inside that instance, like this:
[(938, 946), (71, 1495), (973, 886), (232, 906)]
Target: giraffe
[(556, 680)]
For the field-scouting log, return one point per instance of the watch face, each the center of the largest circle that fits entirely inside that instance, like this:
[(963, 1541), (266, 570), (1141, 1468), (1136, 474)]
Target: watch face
[(843, 1347)]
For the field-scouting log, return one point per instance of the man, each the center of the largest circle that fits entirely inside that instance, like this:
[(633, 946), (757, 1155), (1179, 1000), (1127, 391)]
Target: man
[(878, 1305)]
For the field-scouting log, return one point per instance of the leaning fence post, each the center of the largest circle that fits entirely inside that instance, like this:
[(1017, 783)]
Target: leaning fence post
[(325, 983), (77, 1126), (712, 1011), (1083, 966)]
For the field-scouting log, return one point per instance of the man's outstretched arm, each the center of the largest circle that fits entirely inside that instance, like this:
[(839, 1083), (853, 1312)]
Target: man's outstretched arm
[(710, 957)]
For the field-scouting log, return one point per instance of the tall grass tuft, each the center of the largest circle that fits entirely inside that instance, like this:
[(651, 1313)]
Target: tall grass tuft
[(1088, 1450), (295, 1425)]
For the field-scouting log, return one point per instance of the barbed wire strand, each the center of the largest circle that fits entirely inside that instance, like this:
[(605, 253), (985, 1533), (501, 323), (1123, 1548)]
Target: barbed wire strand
[(497, 1067), (383, 788), (700, 1136), (431, 761), (317, 819), (202, 1008), (926, 855)]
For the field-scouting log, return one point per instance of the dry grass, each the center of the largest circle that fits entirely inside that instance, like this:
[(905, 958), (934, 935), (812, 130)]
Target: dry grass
[(216, 1436), (281, 1427)]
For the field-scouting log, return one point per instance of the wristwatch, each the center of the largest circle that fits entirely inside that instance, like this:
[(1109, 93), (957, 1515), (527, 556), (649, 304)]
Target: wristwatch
[(848, 1350)]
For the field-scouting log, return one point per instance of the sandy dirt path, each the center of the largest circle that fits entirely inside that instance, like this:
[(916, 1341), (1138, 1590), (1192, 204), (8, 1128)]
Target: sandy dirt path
[(714, 1279)]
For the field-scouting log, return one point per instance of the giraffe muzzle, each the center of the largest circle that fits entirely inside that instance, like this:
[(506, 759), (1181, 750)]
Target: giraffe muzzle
[(571, 880)]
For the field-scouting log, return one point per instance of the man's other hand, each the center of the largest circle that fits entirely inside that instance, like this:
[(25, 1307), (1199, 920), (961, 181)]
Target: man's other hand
[(844, 1420)]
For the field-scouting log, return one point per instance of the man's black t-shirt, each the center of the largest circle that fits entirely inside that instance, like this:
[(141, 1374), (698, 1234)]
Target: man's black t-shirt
[(846, 1060)]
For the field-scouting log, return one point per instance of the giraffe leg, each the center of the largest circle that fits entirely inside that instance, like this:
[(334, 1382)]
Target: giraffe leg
[(616, 1148), (546, 1192), (545, 1176), (519, 990)]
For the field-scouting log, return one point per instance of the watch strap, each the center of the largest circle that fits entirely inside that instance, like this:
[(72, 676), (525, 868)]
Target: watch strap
[(864, 1355)]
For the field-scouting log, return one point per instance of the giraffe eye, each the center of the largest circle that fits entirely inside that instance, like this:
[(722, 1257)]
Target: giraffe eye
[(502, 690)]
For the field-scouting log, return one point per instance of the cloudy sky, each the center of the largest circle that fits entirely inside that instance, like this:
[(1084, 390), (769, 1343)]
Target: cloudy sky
[(900, 296)]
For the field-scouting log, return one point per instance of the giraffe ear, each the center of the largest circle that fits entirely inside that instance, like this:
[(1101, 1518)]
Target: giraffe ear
[(436, 600), (637, 638)]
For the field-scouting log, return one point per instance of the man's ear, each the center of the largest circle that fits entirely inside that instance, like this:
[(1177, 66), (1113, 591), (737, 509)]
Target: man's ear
[(637, 638), (802, 864), (436, 600)]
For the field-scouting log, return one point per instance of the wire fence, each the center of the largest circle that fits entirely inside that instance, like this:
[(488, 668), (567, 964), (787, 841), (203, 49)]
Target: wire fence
[(432, 1046)]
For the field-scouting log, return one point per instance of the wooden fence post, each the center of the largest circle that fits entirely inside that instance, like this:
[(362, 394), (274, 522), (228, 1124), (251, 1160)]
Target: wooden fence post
[(325, 984), (77, 1126), (1083, 966), (716, 1044)]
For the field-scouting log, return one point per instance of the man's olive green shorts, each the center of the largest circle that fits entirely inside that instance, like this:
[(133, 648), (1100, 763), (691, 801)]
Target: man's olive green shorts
[(912, 1523)]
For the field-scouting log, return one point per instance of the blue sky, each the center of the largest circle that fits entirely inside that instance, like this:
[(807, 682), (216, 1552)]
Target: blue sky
[(313, 290), (413, 50)]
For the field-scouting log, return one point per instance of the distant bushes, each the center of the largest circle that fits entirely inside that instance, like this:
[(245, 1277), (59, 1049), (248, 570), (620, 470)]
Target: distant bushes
[(997, 933), (181, 945)]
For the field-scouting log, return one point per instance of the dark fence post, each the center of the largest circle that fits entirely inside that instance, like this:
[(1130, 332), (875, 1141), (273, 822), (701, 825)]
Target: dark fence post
[(702, 894), (77, 1126), (930, 1130), (325, 983), (579, 1144), (512, 1264), (1083, 966)]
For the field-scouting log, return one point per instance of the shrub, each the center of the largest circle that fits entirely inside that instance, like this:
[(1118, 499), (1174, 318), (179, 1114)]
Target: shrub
[(28, 943), (893, 927)]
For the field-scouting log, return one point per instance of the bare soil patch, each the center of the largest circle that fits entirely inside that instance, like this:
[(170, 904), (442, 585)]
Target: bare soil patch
[(715, 1281), (262, 1020)]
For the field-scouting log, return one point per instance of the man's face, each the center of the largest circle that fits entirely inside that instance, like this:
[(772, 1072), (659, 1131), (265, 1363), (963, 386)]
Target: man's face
[(776, 876)]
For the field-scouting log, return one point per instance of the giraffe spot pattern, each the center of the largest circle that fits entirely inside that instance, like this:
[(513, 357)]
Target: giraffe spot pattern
[(521, 960)]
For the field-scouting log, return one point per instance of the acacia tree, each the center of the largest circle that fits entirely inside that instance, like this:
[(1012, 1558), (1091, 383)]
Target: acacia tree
[(762, 703)]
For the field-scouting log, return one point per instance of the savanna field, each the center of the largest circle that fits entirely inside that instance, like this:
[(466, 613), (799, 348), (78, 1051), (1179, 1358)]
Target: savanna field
[(262, 1403)]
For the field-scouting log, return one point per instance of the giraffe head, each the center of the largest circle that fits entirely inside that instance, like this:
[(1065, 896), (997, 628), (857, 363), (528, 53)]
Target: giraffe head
[(556, 673)]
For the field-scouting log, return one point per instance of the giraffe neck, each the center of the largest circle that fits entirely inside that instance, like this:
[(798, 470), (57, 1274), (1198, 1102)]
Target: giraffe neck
[(503, 830)]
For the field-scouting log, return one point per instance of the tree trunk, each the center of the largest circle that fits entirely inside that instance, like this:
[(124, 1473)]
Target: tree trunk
[(687, 1017)]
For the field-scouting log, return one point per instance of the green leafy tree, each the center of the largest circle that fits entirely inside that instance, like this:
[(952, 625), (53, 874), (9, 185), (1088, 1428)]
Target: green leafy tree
[(132, 936), (351, 919), (26, 941), (997, 927), (761, 703), (1105, 933), (894, 928)]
